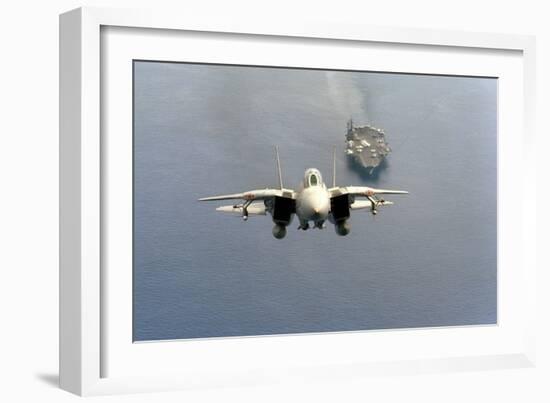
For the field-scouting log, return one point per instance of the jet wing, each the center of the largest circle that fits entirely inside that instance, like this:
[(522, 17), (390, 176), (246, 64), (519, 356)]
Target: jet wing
[(260, 194), (362, 191)]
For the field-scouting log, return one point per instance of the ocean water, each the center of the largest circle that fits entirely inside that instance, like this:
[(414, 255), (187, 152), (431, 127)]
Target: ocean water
[(203, 130)]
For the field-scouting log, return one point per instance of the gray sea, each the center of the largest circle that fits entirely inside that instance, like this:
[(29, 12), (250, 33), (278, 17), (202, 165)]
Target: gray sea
[(202, 130)]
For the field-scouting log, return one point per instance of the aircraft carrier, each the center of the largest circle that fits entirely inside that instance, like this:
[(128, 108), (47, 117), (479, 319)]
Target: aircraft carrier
[(367, 145)]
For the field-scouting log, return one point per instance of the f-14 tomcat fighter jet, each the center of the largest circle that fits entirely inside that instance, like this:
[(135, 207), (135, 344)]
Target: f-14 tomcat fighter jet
[(314, 202)]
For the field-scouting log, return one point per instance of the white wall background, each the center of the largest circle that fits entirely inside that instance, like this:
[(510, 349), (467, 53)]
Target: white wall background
[(29, 186)]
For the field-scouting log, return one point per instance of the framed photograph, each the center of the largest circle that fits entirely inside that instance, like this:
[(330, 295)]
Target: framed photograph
[(260, 202)]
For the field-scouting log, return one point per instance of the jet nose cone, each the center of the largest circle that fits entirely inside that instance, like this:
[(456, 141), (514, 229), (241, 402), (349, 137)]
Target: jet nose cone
[(313, 204), (319, 210)]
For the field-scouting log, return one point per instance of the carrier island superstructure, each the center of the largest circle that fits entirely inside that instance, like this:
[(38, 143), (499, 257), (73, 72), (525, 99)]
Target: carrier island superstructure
[(367, 145)]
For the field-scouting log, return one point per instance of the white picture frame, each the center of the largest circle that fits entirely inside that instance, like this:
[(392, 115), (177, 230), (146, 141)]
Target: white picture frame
[(88, 340)]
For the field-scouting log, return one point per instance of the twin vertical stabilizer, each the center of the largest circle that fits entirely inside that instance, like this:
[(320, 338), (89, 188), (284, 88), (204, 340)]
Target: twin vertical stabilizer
[(279, 168), (280, 175)]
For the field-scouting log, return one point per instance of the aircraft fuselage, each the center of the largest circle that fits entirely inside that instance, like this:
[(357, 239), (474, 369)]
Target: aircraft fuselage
[(313, 204), (313, 200)]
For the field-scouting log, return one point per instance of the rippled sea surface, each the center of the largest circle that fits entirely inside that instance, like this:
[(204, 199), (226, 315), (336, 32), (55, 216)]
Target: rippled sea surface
[(202, 130)]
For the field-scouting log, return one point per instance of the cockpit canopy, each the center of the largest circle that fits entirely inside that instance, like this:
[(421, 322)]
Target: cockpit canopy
[(312, 177)]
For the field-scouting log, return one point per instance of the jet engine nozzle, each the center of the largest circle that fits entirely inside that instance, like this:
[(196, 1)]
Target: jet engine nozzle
[(342, 228), (279, 231)]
